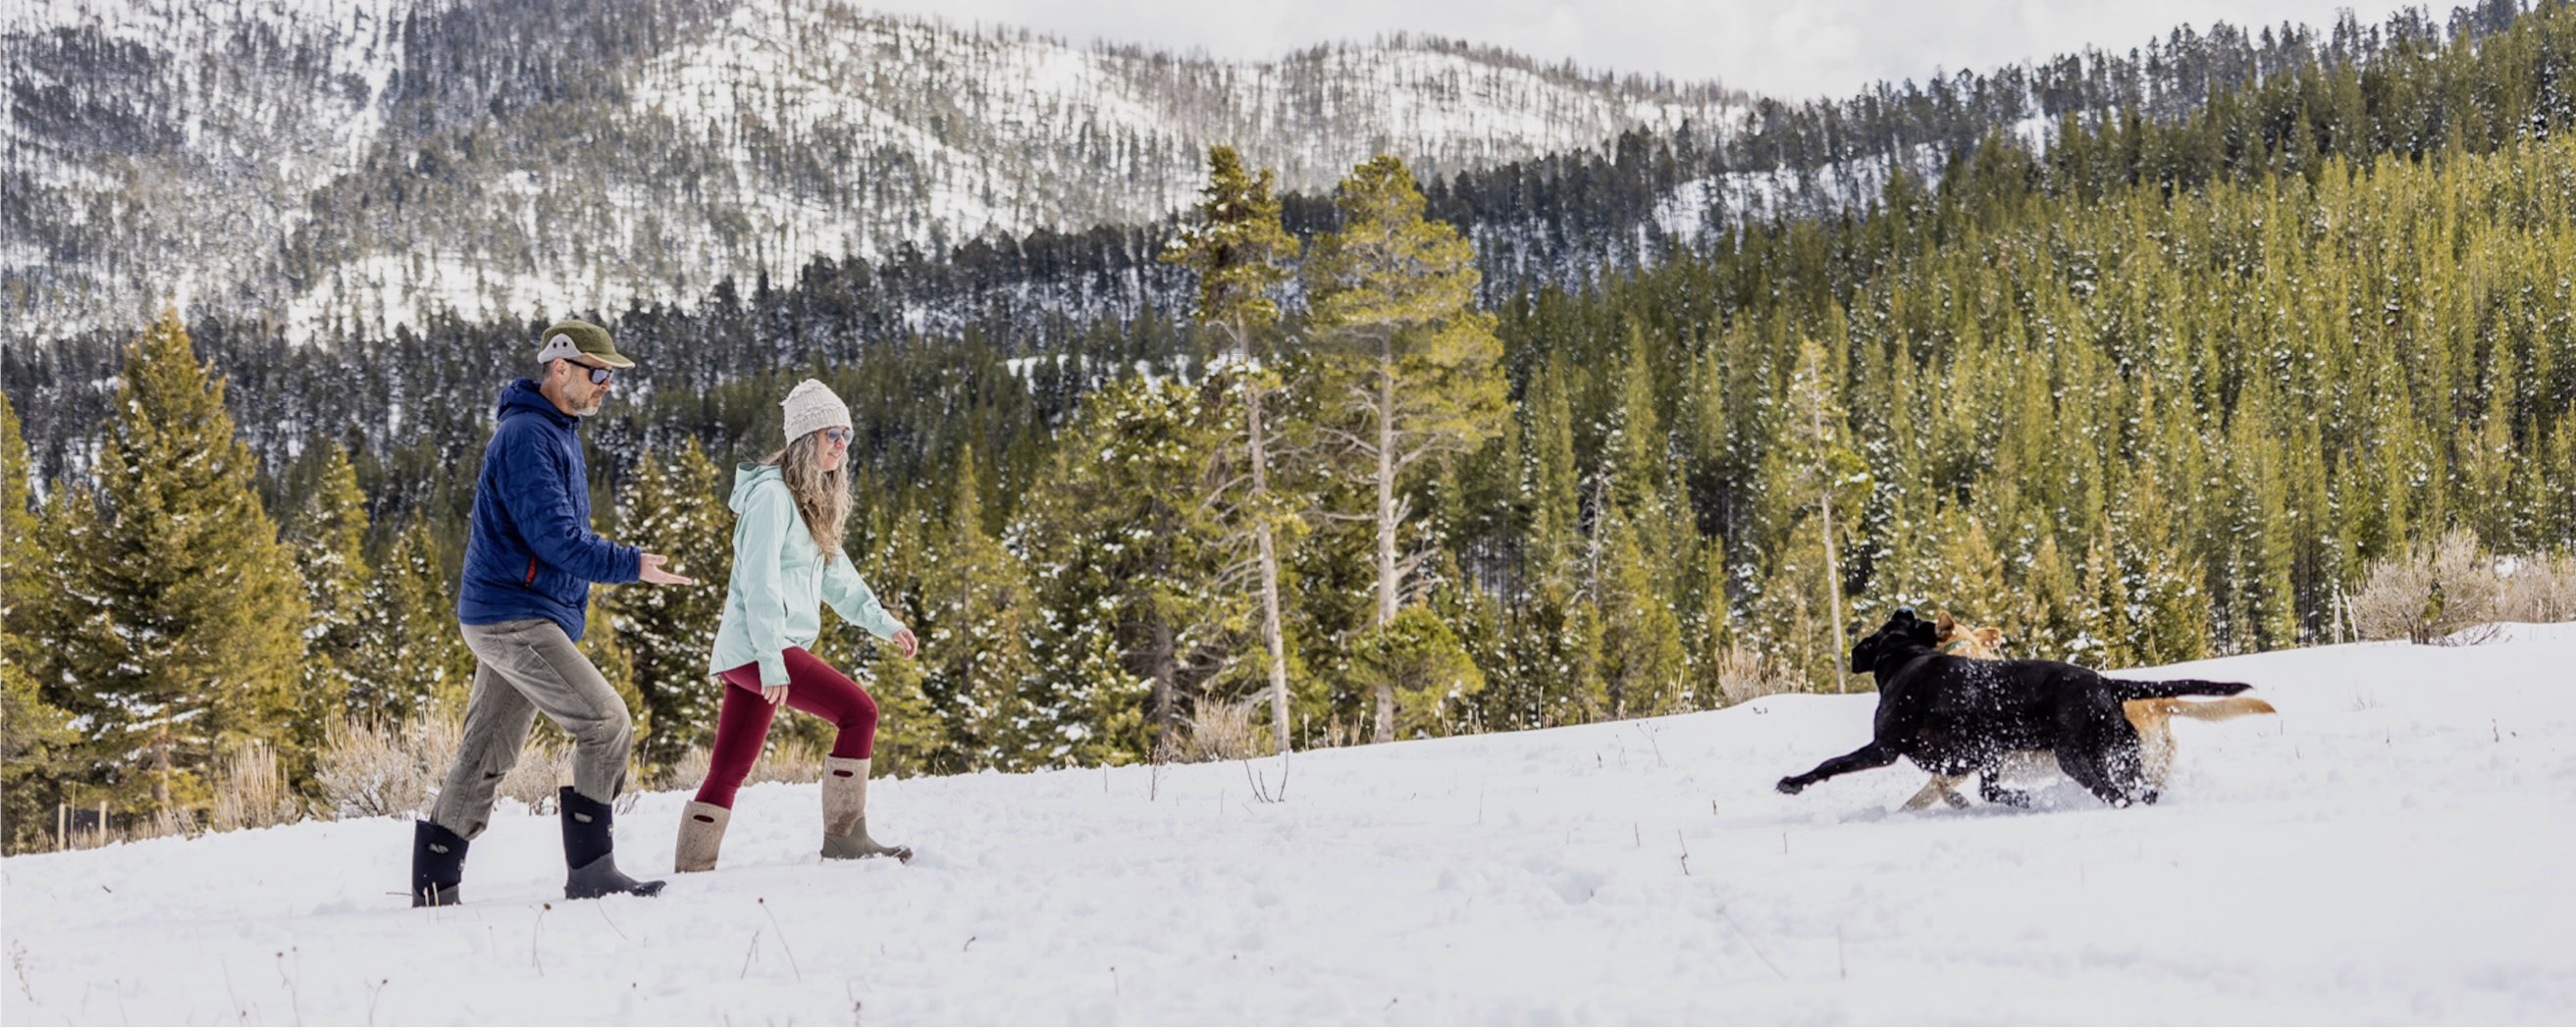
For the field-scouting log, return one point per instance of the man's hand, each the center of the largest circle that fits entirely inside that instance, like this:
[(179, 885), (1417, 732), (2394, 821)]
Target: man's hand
[(653, 573), (904, 640), (773, 694)]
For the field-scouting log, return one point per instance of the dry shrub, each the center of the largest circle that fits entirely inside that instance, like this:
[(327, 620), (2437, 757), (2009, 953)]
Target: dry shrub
[(376, 770), (159, 824), (1221, 730), (1744, 674), (687, 772), (2431, 593), (787, 759), (544, 766), (2540, 590), (249, 791)]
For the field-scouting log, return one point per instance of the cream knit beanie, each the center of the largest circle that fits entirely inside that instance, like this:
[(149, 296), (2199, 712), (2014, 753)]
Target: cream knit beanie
[(812, 406)]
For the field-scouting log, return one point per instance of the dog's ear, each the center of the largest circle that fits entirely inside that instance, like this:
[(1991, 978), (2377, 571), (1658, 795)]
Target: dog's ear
[(1943, 625), (1865, 653)]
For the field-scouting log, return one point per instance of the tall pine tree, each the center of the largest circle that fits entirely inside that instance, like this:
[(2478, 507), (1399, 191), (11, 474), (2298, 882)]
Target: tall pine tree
[(197, 646), (1393, 297)]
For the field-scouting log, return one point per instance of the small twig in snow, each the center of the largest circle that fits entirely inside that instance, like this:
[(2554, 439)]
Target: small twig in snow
[(283, 978), (533, 957), (1677, 837), (18, 961), (612, 923), (1750, 944), (782, 938)]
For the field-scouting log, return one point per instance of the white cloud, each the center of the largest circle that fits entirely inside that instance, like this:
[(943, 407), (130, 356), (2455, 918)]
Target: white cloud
[(1793, 49)]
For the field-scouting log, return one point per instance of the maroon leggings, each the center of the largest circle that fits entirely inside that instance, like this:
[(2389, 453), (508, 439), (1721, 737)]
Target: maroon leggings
[(743, 722)]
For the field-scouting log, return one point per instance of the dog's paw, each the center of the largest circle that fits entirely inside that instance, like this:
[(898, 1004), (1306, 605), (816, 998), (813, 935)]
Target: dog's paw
[(1790, 786)]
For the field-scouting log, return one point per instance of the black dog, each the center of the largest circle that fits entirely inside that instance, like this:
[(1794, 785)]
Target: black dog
[(1952, 716)]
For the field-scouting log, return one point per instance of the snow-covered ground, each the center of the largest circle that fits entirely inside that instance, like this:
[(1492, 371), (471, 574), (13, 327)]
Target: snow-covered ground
[(2395, 846)]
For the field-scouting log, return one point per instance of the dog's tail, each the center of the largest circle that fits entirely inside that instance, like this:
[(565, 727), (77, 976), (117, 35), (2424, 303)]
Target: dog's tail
[(2208, 709), (2165, 689)]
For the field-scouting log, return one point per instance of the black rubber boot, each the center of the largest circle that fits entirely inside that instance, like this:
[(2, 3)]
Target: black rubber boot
[(589, 851), (437, 865)]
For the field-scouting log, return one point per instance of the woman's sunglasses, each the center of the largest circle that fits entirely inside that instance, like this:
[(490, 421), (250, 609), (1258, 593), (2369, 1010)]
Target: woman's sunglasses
[(837, 435)]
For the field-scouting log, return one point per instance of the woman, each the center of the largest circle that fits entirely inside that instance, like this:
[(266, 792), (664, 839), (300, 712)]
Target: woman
[(787, 552)]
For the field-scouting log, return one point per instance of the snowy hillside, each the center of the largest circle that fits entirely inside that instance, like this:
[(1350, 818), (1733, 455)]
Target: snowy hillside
[(2393, 846), (367, 163)]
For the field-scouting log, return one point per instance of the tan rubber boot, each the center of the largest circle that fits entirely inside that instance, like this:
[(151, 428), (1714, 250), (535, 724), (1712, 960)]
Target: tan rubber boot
[(702, 828), (845, 814)]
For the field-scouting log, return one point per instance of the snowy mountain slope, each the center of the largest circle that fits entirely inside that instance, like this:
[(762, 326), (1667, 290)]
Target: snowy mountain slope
[(331, 164), (2392, 847)]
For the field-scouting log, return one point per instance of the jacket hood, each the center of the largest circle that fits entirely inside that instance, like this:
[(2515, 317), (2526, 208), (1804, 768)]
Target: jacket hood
[(522, 393), (747, 476)]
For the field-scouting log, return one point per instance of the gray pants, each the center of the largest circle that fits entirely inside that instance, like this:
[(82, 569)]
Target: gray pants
[(522, 668)]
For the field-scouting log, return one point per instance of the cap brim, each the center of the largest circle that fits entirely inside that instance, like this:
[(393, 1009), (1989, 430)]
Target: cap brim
[(611, 359)]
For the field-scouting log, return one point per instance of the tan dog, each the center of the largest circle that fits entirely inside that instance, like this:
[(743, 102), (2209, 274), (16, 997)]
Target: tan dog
[(2152, 717)]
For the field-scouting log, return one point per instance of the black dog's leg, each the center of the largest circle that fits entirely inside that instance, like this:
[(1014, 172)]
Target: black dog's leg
[(1863, 758), (2123, 769), (1991, 788), (2093, 764)]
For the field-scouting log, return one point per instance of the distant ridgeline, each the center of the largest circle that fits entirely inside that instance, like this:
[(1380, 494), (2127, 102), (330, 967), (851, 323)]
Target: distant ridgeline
[(335, 176), (2157, 382)]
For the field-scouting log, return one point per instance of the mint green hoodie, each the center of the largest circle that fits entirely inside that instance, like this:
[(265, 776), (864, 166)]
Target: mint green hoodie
[(778, 576)]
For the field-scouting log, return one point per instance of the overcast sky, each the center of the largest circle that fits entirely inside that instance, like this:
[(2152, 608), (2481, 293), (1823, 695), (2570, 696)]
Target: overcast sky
[(1788, 48)]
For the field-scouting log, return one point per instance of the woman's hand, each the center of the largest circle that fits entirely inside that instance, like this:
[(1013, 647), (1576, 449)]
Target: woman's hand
[(904, 640), (773, 694)]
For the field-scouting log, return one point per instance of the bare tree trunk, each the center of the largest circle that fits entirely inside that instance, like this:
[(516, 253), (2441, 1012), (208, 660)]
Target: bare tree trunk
[(161, 752), (1386, 586), (1271, 637), (1166, 672), (1833, 569)]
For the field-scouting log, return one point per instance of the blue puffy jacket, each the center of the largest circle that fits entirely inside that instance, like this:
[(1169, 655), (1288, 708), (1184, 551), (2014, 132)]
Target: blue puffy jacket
[(532, 553)]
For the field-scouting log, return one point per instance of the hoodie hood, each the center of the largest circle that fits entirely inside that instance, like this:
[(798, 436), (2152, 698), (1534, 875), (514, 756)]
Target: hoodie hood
[(523, 393), (748, 476)]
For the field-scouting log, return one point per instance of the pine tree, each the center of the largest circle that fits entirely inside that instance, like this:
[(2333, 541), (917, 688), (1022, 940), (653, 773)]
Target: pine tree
[(328, 537), (1641, 652), (1393, 295), (606, 650), (1971, 577), (36, 739), (409, 656), (972, 614), (677, 502), (1812, 483), (1237, 247), (1567, 684), (1117, 539), (1433, 677), (198, 648)]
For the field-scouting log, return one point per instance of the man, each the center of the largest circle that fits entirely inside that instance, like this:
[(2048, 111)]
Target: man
[(529, 564)]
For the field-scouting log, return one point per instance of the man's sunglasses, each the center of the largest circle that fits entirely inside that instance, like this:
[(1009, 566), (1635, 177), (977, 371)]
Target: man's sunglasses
[(598, 374)]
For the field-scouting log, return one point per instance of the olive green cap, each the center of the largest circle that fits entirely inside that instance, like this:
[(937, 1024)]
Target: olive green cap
[(575, 337)]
